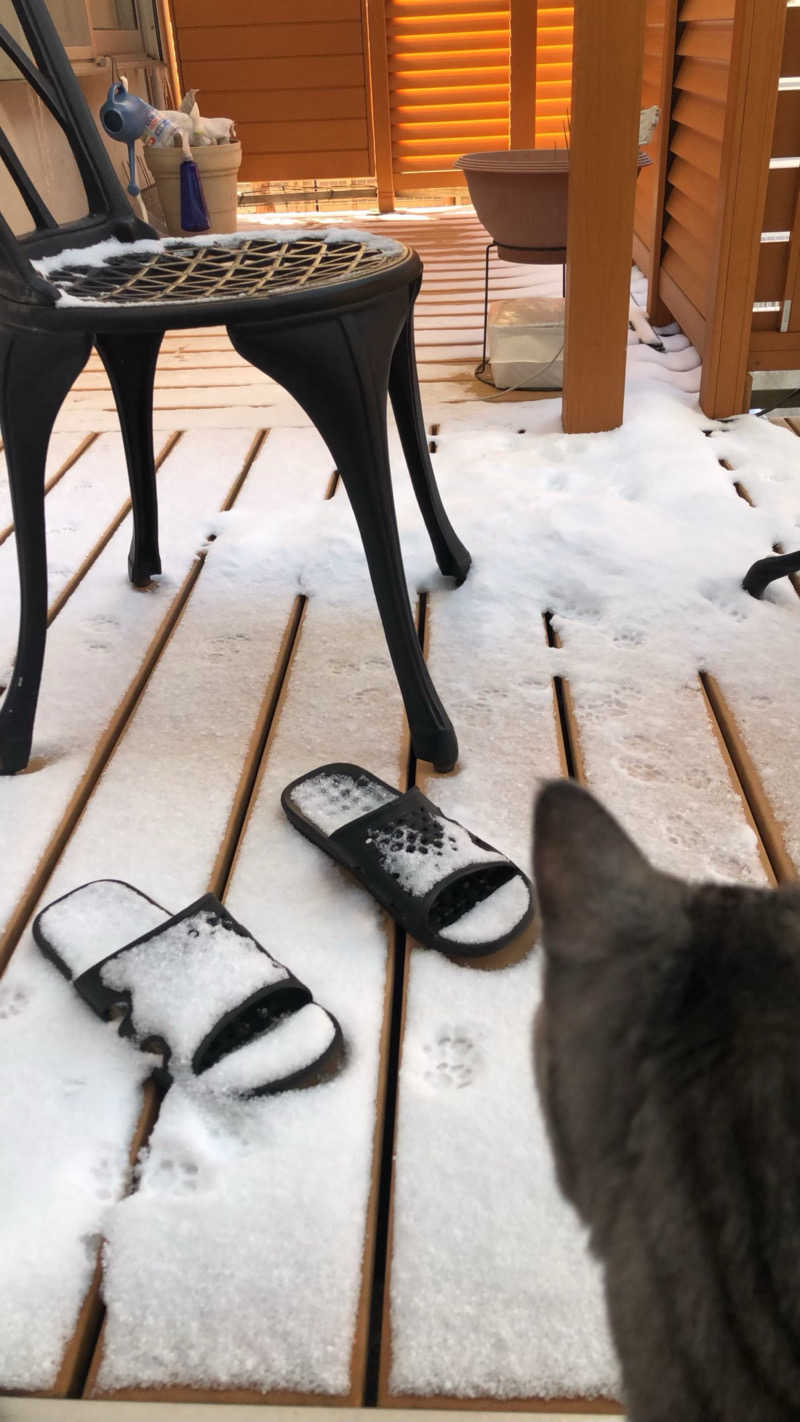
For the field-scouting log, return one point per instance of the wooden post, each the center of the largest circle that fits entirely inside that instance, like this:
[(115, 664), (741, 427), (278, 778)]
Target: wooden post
[(604, 131), (758, 30), (522, 74), (168, 48), (374, 12)]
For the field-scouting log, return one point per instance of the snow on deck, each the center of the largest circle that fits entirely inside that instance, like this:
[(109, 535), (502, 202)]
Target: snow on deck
[(244, 1244)]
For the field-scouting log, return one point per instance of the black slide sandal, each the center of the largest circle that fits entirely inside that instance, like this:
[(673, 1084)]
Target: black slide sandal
[(194, 987), (450, 890)]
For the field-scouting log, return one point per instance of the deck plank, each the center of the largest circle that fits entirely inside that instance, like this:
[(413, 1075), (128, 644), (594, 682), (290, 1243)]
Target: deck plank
[(440, 1133), (97, 648), (63, 447), (82, 511), (177, 765), (340, 701)]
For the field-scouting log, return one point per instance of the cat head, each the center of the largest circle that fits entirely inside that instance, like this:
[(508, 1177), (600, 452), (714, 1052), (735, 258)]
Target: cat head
[(648, 982), (598, 895)]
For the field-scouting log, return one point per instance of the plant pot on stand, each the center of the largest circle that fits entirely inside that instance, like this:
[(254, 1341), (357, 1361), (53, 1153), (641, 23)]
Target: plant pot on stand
[(520, 196)]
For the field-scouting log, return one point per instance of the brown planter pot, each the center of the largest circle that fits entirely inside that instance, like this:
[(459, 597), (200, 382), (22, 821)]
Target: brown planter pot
[(218, 166), (520, 196)]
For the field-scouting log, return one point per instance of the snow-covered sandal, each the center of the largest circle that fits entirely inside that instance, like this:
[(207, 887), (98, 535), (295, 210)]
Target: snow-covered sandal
[(447, 888), (193, 986)]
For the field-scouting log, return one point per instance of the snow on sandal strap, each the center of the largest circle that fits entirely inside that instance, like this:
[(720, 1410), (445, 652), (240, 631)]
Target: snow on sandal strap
[(195, 986), (448, 888)]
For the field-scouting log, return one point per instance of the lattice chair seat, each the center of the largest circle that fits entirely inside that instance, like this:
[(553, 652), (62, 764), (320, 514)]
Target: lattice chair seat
[(328, 314), (201, 269)]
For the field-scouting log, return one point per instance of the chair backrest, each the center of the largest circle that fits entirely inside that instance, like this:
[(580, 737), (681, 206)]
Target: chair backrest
[(50, 76)]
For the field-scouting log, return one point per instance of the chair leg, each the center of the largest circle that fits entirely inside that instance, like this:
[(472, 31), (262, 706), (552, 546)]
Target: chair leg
[(337, 368), (451, 555), (130, 360), (36, 372)]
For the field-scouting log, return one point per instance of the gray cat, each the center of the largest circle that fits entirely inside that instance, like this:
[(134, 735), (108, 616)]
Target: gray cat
[(668, 1064)]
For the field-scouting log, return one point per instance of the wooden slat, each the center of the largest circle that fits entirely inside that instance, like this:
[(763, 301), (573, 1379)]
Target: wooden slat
[(763, 321), (779, 206), (701, 152), (691, 216), (703, 115), (786, 135), (790, 59), (771, 349), (477, 44), (250, 106), (489, 79), (309, 138), (347, 164), (701, 10), (434, 30), (193, 14), (292, 42), (706, 42), (697, 76), (688, 279), (694, 184), (693, 252), (419, 10), (773, 262), (267, 73)]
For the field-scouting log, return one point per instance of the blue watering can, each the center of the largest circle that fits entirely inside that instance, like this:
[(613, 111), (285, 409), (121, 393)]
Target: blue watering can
[(126, 117)]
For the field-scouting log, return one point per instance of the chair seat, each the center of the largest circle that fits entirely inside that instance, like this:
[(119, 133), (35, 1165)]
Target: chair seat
[(244, 266)]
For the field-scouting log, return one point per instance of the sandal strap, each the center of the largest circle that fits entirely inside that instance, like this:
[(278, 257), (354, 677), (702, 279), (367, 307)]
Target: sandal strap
[(408, 853), (196, 986)]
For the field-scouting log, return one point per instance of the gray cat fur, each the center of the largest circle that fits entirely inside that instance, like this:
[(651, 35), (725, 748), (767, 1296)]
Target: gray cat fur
[(668, 1064)]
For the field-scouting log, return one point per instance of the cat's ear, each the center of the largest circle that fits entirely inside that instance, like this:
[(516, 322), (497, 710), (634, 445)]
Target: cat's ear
[(596, 890)]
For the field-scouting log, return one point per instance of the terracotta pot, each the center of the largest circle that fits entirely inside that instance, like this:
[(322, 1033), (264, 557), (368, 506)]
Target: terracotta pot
[(520, 196), (217, 164)]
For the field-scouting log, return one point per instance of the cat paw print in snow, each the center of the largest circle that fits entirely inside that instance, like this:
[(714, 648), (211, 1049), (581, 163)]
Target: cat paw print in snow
[(13, 1002), (451, 1060)]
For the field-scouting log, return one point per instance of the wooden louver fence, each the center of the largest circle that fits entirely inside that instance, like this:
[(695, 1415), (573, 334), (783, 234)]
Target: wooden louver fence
[(718, 227), (470, 76), (398, 88), (448, 83)]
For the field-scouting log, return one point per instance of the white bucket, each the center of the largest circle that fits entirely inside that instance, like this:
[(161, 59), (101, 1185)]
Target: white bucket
[(218, 166)]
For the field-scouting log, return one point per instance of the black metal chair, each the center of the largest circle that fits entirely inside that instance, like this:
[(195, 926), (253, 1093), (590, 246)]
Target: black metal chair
[(330, 321)]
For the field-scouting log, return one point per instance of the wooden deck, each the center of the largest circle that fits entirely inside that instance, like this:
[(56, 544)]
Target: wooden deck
[(158, 774)]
